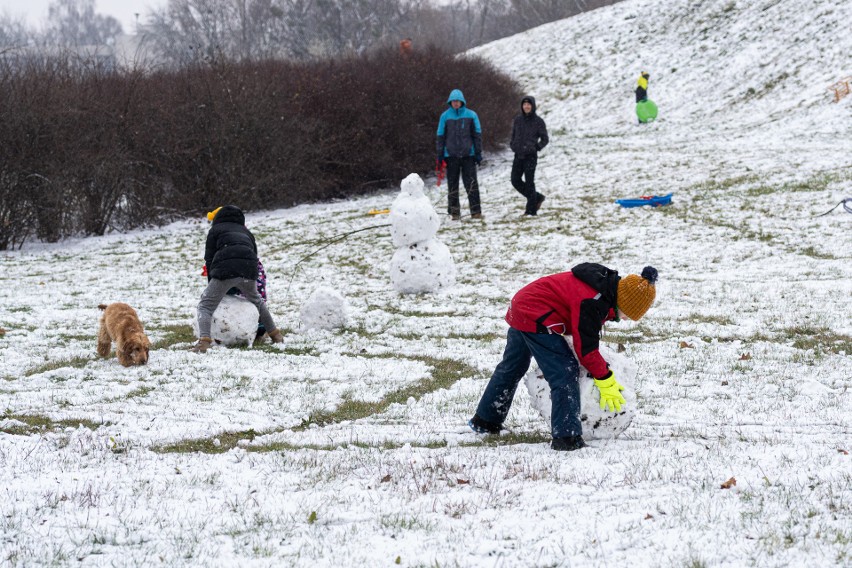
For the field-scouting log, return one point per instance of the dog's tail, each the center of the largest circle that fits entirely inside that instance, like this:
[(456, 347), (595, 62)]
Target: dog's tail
[(102, 306)]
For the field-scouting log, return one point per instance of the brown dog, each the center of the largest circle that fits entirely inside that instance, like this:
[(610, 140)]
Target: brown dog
[(121, 324)]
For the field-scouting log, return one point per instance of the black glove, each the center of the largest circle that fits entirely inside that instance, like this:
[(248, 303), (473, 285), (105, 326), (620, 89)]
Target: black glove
[(477, 158)]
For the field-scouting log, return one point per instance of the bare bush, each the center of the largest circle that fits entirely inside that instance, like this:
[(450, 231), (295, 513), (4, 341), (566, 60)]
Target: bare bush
[(86, 150), (16, 221)]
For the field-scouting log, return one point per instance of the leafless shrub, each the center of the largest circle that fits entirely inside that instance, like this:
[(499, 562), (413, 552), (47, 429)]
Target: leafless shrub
[(86, 149)]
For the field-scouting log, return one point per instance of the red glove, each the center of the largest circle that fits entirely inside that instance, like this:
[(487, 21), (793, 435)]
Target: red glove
[(440, 170)]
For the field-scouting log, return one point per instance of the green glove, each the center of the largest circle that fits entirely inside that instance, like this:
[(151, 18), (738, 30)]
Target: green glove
[(611, 398)]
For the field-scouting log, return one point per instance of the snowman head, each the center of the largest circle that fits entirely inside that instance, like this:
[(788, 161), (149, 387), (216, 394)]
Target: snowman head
[(412, 186)]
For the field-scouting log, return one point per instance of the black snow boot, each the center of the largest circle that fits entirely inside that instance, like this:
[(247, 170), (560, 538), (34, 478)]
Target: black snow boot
[(481, 426), (568, 444)]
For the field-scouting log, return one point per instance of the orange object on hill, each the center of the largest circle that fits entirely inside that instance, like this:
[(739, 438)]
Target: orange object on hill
[(841, 88)]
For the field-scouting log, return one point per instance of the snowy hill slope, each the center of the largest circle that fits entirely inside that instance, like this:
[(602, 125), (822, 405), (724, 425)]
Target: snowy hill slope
[(722, 63), (350, 448)]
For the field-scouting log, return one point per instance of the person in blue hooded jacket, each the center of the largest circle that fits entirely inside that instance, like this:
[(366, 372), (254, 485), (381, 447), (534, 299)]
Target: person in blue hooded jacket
[(460, 146)]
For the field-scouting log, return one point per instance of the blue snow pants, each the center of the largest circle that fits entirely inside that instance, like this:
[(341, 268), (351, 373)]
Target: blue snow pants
[(561, 371)]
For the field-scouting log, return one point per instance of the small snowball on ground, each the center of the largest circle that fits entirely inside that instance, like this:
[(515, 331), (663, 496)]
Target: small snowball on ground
[(326, 308)]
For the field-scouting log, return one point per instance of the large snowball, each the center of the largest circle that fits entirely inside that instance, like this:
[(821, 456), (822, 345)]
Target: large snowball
[(412, 217), (422, 267), (596, 423), (325, 309), (234, 322)]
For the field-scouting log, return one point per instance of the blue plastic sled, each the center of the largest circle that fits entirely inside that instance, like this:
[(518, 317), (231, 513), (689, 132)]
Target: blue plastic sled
[(653, 200)]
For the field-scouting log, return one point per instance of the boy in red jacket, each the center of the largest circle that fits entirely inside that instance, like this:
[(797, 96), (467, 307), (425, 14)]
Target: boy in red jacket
[(575, 303)]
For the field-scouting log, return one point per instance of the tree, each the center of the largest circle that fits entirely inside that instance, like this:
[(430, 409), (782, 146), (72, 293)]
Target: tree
[(241, 30), (206, 30), (353, 26), (13, 32), (72, 23)]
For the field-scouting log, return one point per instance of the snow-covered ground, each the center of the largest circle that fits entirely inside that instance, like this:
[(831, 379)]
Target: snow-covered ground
[(349, 448)]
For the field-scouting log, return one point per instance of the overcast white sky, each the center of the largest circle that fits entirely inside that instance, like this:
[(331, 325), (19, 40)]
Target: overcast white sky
[(35, 11)]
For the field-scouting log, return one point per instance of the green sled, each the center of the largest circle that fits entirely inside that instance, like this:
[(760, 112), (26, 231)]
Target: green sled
[(646, 111)]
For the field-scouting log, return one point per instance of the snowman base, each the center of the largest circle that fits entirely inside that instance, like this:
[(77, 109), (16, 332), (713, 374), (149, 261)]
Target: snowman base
[(234, 322), (422, 268), (597, 424)]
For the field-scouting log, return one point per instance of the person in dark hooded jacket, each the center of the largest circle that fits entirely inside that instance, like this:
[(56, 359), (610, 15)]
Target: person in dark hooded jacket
[(529, 137), (230, 256), (542, 314)]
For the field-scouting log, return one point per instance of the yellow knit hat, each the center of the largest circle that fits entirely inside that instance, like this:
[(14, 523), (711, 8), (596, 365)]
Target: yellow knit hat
[(636, 293), (212, 214)]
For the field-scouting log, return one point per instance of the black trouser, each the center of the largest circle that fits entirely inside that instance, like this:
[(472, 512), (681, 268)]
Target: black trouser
[(523, 179), (467, 168)]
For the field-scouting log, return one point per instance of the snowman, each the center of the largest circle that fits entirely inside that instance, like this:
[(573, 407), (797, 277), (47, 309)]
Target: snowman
[(421, 263), (597, 423)]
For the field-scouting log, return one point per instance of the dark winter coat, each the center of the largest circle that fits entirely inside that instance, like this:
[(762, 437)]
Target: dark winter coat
[(575, 303), (231, 251), (529, 133), (459, 132)]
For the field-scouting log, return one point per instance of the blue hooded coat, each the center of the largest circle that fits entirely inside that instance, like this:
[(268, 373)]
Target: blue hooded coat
[(459, 132)]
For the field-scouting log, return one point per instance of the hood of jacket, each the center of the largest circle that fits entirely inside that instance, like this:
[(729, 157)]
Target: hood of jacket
[(599, 277), (456, 95), (230, 214), (528, 99)]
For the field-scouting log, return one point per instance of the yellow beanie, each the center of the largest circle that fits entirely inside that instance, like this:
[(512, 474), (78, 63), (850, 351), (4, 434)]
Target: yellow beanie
[(636, 293), (212, 214)]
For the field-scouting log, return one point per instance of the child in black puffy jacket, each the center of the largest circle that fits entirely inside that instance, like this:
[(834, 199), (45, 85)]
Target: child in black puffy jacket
[(230, 256)]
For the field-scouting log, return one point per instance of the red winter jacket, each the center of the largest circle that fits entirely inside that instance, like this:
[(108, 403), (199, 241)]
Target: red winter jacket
[(576, 303)]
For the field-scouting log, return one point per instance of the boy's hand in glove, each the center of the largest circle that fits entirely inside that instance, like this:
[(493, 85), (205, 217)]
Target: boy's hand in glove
[(611, 398)]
